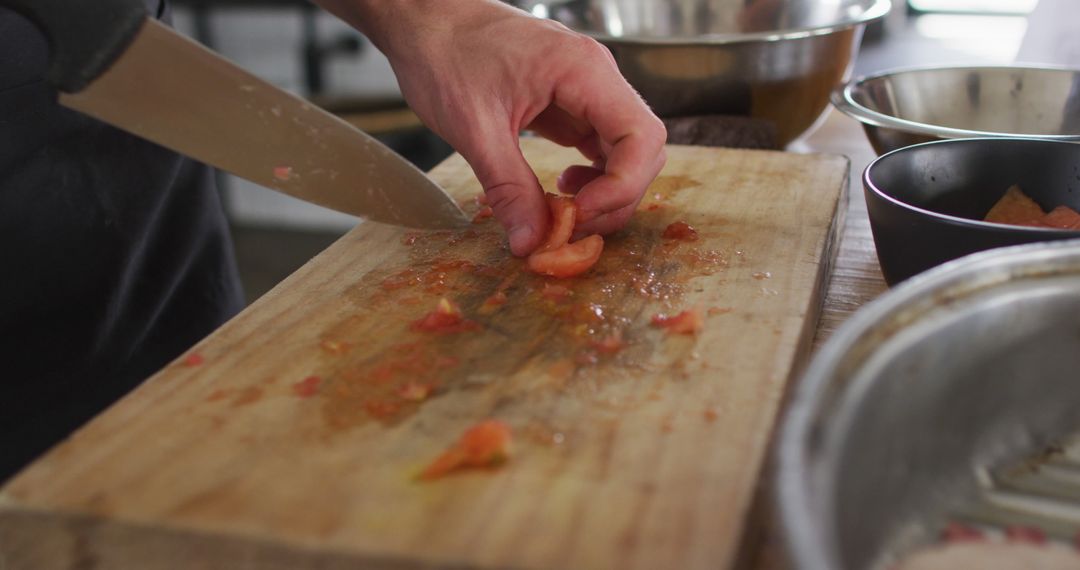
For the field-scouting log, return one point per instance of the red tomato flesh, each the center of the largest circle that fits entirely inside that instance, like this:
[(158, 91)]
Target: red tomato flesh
[(686, 322), (446, 318), (569, 260), (482, 214), (1062, 217), (307, 387), (956, 532), (485, 444), (563, 215), (681, 231)]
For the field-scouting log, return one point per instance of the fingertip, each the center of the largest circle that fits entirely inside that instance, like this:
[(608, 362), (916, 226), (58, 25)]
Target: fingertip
[(523, 239)]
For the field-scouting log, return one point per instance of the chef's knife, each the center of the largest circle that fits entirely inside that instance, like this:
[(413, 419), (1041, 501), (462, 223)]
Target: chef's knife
[(111, 61)]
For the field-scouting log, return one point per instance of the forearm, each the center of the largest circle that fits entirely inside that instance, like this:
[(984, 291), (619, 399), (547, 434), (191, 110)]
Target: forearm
[(386, 21)]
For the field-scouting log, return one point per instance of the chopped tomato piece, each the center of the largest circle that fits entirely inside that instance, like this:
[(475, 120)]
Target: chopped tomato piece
[(307, 387), (483, 214), (381, 409), (485, 444), (686, 322), (569, 260), (414, 391), (556, 292), (1062, 217), (446, 318), (610, 344), (1015, 208), (194, 359), (334, 346), (283, 172), (496, 299), (680, 231), (956, 532), (1025, 534), (563, 216)]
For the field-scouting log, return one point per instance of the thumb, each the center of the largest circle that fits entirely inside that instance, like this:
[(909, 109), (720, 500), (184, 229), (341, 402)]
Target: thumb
[(512, 190)]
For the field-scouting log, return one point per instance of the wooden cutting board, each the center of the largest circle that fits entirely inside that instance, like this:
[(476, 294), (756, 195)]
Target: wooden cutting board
[(233, 457)]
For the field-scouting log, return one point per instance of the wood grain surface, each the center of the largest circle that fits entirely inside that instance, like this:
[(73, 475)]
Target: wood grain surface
[(646, 458), (855, 280)]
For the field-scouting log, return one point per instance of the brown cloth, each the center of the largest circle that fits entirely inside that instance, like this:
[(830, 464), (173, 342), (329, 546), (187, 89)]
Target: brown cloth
[(722, 130)]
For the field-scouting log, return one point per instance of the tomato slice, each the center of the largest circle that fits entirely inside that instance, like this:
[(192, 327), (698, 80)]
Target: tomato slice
[(563, 215), (569, 260)]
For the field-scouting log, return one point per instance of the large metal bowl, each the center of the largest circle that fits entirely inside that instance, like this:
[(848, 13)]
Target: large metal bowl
[(909, 106), (926, 201), (957, 371), (776, 60)]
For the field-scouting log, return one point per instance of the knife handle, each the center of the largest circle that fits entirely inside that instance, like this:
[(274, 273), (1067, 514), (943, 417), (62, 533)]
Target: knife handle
[(85, 36)]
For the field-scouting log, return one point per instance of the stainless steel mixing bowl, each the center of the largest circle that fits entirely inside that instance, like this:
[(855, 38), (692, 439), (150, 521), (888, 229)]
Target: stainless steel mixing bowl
[(776, 60), (908, 106), (958, 370)]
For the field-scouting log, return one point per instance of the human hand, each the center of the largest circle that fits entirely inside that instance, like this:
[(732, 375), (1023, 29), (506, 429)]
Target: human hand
[(478, 72)]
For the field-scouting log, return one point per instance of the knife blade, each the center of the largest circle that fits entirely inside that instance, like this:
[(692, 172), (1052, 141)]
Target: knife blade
[(172, 91)]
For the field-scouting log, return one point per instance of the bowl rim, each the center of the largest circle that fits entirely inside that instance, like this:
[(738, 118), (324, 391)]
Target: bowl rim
[(869, 185), (877, 10), (842, 98), (800, 437)]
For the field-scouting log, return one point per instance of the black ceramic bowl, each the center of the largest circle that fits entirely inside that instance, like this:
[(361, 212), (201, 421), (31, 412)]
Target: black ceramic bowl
[(926, 201)]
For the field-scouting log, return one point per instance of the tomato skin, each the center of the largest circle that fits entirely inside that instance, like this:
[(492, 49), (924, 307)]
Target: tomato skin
[(569, 260), (193, 359), (563, 216), (686, 322)]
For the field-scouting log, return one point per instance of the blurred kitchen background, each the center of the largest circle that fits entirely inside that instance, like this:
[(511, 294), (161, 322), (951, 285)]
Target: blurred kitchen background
[(298, 47)]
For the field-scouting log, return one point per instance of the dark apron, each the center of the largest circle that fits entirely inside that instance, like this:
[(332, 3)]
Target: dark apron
[(114, 256)]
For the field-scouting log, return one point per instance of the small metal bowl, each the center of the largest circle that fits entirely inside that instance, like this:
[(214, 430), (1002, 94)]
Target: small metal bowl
[(956, 373), (909, 106), (775, 60), (926, 201)]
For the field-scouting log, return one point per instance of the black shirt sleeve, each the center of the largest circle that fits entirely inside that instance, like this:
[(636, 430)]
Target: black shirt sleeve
[(114, 256)]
